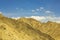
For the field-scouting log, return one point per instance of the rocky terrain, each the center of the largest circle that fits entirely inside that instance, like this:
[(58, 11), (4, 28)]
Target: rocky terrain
[(28, 29)]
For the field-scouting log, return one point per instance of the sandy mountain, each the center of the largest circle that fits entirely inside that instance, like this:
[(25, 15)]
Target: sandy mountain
[(50, 28), (11, 29)]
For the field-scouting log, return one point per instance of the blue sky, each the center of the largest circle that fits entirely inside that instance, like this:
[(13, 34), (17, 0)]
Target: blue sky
[(18, 8)]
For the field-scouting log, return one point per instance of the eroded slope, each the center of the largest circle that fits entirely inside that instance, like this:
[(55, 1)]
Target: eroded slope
[(11, 29), (50, 28)]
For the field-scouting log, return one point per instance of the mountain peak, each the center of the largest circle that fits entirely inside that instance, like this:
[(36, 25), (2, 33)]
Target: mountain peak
[(28, 29)]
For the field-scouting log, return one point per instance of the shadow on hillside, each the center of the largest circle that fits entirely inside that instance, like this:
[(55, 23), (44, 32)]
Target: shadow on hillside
[(42, 34)]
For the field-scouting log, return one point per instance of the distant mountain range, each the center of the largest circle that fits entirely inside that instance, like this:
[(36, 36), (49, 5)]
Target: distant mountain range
[(28, 29)]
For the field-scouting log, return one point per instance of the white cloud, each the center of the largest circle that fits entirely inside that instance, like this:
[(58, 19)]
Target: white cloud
[(38, 17), (0, 12), (46, 18), (41, 8), (21, 9), (15, 18), (33, 11), (48, 12), (42, 18), (37, 9), (55, 19)]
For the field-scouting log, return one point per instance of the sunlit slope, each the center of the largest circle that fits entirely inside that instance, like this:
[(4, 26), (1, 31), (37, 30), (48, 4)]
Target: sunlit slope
[(11, 29), (32, 22), (50, 28), (53, 29)]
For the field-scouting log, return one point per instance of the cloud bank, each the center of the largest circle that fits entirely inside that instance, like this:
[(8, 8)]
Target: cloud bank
[(43, 18), (46, 18)]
